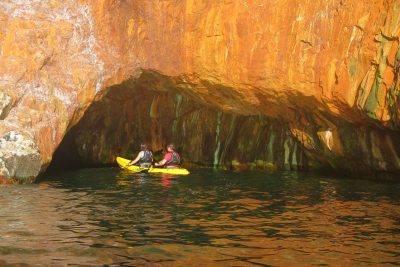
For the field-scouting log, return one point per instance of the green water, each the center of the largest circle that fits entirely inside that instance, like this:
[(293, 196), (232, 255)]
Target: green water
[(100, 217)]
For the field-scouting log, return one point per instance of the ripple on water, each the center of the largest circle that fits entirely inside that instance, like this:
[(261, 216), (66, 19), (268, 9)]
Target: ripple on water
[(103, 216)]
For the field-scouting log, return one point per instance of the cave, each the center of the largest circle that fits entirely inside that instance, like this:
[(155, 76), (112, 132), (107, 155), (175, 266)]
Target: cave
[(155, 109), (212, 130)]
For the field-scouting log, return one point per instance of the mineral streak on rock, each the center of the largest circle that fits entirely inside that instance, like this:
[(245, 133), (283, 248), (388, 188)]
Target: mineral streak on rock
[(5, 104), (315, 65)]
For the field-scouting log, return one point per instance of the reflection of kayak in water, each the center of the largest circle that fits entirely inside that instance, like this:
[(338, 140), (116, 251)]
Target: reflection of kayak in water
[(124, 162)]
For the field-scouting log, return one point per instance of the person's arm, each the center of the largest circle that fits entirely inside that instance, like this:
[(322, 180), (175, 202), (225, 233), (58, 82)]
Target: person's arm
[(160, 163), (135, 160)]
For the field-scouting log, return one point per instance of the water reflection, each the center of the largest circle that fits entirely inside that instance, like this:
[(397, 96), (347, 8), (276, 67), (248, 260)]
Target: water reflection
[(104, 216)]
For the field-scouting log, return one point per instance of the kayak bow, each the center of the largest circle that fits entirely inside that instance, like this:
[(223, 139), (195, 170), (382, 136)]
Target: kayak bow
[(124, 162)]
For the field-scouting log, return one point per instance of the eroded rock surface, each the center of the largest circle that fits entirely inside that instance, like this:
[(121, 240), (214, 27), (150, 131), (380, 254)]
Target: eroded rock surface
[(19, 158), (327, 69)]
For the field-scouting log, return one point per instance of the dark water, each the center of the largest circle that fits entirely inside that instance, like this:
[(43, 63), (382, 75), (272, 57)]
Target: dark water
[(99, 217)]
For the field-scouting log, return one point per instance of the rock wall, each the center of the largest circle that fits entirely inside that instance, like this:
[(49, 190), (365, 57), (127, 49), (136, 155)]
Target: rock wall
[(326, 68), (50, 69)]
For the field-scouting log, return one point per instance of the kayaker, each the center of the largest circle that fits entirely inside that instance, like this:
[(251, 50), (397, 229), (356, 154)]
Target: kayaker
[(144, 158), (171, 158)]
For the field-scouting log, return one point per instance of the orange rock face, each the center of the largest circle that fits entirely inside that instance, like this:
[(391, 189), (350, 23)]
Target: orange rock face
[(324, 66)]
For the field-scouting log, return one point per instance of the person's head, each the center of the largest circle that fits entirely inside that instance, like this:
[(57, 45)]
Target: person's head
[(143, 147), (170, 147)]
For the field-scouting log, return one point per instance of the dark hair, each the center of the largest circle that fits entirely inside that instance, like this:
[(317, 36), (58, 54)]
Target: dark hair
[(172, 146), (143, 147)]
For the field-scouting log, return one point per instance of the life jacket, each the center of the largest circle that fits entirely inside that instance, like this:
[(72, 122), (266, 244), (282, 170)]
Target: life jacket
[(175, 160), (146, 159)]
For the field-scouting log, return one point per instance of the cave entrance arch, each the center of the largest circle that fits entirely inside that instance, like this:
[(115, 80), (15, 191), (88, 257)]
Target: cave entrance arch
[(157, 109)]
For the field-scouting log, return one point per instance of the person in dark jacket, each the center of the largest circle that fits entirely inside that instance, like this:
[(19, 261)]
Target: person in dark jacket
[(171, 158), (144, 158)]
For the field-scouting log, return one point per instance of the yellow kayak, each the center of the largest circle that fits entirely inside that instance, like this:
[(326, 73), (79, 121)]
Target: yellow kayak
[(124, 162), (177, 171)]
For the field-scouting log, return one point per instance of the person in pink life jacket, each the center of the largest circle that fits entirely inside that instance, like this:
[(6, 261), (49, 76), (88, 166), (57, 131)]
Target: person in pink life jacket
[(171, 158)]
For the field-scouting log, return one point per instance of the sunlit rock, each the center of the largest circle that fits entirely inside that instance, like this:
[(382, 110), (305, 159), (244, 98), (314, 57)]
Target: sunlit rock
[(19, 158), (311, 65)]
